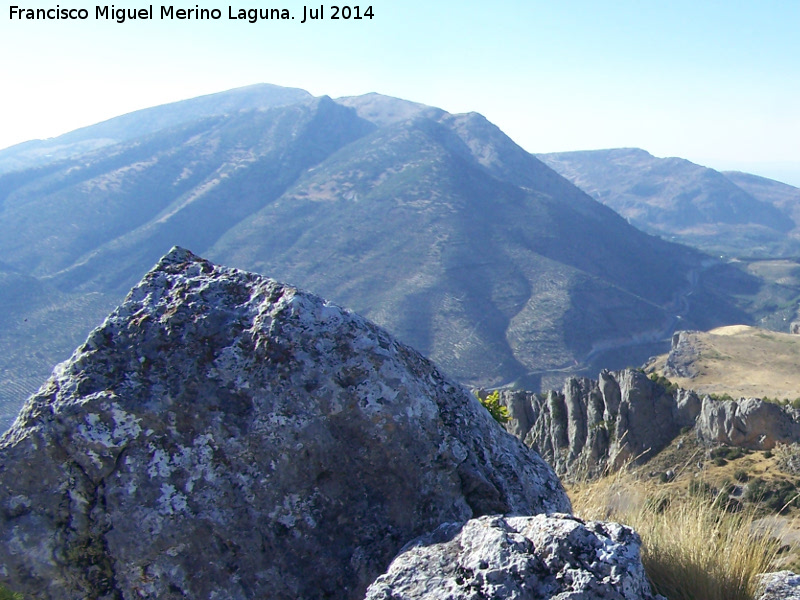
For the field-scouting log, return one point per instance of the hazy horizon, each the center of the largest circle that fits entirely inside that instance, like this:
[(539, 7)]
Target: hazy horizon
[(715, 83)]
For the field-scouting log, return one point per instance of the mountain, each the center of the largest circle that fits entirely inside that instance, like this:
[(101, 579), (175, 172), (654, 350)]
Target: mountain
[(781, 195), (143, 122), (722, 213), (436, 226)]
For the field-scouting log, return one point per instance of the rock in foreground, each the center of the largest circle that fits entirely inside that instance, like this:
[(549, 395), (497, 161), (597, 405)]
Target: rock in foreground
[(783, 585), (521, 558), (225, 436)]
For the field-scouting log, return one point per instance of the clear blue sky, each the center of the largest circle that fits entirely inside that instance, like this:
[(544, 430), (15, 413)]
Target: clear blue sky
[(715, 82)]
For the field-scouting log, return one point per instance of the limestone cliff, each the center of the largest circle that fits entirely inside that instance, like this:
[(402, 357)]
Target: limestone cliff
[(594, 425)]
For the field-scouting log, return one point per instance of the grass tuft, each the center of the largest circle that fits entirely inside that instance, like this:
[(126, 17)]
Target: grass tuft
[(692, 549)]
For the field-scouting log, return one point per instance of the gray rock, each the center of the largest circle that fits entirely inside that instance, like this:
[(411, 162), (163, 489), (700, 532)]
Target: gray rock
[(783, 585), (555, 557), (689, 406), (747, 423), (224, 436), (683, 355), (594, 426)]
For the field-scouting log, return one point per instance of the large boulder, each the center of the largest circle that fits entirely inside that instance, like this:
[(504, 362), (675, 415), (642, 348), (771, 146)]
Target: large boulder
[(225, 436), (520, 558), (748, 423)]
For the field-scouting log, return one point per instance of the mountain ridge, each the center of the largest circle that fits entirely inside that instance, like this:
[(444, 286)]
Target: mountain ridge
[(682, 201), (436, 226), (143, 121)]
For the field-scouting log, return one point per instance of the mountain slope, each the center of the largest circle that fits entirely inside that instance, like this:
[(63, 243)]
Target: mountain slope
[(436, 226), (743, 362), (683, 201), (783, 196), (142, 122)]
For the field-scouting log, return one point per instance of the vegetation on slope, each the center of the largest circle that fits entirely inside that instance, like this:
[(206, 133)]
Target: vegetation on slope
[(491, 402), (692, 547)]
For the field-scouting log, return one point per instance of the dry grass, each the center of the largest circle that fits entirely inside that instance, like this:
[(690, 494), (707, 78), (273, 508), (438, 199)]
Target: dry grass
[(691, 548), (743, 362)]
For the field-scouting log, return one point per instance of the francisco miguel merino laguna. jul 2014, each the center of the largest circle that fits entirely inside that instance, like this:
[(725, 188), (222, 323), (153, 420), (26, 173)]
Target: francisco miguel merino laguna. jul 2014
[(252, 15)]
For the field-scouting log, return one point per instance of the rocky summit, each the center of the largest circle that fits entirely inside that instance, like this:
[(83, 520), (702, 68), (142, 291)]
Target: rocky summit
[(225, 436)]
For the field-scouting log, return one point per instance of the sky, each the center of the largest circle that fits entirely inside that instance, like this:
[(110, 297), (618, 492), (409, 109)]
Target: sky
[(717, 83)]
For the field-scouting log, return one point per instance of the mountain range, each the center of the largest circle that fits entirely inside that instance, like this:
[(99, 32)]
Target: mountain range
[(436, 226), (730, 213)]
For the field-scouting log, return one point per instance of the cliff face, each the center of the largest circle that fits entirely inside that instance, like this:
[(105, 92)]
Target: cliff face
[(222, 435), (748, 423), (594, 425)]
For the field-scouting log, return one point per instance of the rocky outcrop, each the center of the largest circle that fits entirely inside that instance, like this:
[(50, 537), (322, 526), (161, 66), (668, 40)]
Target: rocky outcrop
[(783, 585), (594, 425), (748, 423), (683, 354), (222, 435), (531, 558)]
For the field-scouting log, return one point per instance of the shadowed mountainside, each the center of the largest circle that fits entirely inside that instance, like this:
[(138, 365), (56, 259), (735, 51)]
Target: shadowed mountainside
[(436, 226)]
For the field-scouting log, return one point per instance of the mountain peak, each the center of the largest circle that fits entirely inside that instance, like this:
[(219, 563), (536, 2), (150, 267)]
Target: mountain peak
[(178, 255)]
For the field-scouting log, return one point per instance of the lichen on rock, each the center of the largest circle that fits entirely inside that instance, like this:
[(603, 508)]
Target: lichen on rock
[(223, 435), (521, 558)]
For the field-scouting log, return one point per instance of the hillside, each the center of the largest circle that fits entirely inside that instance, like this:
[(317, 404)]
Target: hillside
[(735, 214), (737, 360), (142, 122), (436, 226)]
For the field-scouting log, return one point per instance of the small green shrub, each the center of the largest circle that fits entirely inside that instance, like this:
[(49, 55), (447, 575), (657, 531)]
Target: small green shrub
[(741, 475), (700, 488), (755, 490), (6, 595), (665, 383), (727, 452), (492, 403)]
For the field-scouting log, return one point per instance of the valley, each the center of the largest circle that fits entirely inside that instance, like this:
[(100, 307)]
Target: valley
[(439, 232), (436, 226)]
